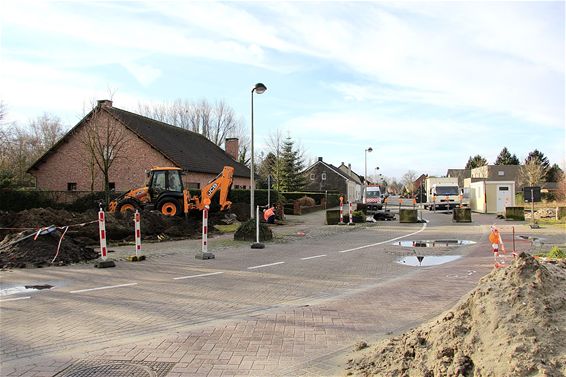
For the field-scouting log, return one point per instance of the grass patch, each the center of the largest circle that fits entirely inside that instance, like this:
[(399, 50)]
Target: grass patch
[(559, 223), (556, 253)]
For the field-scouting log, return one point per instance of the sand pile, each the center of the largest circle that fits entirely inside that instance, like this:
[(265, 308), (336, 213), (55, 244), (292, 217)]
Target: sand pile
[(512, 324)]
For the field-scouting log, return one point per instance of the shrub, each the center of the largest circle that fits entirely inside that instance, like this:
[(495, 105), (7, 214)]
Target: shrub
[(306, 201), (247, 232), (556, 253), (358, 217)]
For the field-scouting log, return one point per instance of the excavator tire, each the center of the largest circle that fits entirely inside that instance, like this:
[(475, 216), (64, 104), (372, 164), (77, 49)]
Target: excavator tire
[(169, 207), (127, 205)]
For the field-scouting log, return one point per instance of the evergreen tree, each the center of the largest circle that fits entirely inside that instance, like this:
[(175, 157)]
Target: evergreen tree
[(475, 162), (537, 155), (538, 158), (292, 166), (554, 174), (505, 158), (267, 167)]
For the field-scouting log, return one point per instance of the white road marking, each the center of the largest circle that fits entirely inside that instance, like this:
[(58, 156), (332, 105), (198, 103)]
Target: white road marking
[(264, 265), (316, 256), (107, 287), (198, 276), (387, 241), (16, 298)]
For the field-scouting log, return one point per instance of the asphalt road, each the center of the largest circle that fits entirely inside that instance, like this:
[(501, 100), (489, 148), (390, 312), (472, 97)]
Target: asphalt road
[(293, 308)]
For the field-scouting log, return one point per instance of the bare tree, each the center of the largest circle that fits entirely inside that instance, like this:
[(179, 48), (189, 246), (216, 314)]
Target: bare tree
[(275, 143), (104, 141), (216, 121), (394, 186), (46, 130), (561, 190), (22, 146), (4, 137), (408, 181), (532, 173)]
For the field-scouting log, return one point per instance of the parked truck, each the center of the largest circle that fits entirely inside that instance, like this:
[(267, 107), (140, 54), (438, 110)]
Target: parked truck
[(443, 193), (373, 198)]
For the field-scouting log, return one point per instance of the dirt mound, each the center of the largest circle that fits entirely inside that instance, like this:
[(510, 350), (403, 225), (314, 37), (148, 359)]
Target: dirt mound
[(511, 324), (45, 250), (19, 249)]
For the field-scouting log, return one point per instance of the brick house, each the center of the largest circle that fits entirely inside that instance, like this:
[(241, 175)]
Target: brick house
[(140, 144), (322, 176)]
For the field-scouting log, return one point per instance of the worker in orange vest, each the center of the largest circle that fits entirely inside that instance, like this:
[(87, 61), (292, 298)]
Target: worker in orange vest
[(495, 239), (269, 215)]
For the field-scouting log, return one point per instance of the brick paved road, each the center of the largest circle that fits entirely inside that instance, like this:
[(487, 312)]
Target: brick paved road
[(294, 308)]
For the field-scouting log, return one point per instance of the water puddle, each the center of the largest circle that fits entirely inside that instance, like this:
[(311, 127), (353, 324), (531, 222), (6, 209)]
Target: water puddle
[(433, 243), (427, 260), (529, 238), (25, 288)]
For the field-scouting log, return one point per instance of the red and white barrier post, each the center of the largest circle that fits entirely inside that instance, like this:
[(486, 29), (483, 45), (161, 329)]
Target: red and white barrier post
[(205, 230), (103, 248), (204, 254), (350, 211), (137, 232), (102, 232)]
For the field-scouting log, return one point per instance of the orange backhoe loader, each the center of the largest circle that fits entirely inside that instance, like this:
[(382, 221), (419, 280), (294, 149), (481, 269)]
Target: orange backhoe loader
[(164, 192)]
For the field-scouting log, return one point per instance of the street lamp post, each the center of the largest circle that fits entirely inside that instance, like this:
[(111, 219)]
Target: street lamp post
[(370, 149), (259, 88)]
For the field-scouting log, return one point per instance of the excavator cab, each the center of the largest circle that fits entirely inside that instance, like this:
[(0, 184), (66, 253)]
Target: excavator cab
[(161, 181), (165, 189)]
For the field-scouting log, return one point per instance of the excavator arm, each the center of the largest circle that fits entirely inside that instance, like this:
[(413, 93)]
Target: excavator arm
[(222, 183)]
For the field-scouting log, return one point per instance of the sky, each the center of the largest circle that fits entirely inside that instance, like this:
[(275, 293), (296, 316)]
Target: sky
[(426, 85)]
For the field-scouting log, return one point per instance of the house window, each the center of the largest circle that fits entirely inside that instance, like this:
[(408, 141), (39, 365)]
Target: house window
[(500, 173), (112, 186), (323, 176), (193, 185), (312, 176), (71, 186)]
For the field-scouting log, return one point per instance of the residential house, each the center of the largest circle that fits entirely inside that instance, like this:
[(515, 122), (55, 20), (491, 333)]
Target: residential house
[(140, 143), (497, 173), (322, 176), (461, 174)]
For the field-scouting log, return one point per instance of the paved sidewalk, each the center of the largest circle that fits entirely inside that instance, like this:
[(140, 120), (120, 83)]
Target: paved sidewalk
[(308, 337)]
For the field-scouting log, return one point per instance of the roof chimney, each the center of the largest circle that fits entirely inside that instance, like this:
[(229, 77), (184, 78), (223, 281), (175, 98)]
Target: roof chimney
[(231, 145), (104, 103), (320, 159)]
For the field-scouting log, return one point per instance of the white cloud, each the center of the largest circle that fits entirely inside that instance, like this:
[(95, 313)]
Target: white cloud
[(491, 60), (145, 74)]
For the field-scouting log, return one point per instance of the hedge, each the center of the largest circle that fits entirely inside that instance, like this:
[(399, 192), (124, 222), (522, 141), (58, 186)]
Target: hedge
[(333, 199), (19, 200)]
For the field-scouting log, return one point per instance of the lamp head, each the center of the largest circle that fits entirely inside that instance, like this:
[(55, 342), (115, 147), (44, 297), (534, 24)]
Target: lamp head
[(370, 149), (259, 88)]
